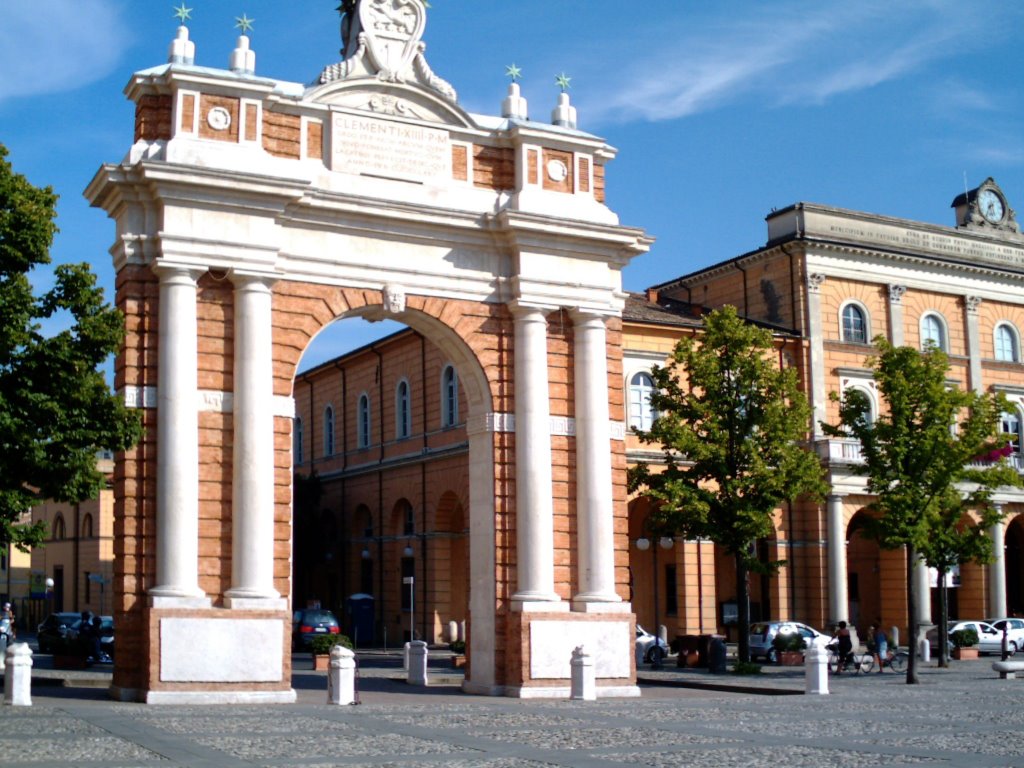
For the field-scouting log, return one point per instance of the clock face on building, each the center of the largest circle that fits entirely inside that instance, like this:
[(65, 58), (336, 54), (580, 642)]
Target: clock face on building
[(990, 205)]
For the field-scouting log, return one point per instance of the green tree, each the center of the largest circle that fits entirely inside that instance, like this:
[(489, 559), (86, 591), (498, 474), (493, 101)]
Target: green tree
[(733, 428), (56, 410), (920, 458)]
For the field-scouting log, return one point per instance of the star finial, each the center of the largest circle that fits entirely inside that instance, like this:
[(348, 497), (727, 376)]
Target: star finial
[(562, 81), (244, 23), (183, 14), (514, 72)]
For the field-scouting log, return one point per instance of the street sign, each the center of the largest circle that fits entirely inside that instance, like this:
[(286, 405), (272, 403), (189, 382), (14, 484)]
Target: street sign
[(408, 579)]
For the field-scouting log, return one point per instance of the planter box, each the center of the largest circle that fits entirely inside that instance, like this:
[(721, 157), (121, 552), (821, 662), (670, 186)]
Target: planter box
[(321, 662), (965, 653), (791, 658)]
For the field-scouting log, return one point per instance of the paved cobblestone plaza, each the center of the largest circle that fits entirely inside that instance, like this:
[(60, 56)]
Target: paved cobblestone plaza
[(965, 716)]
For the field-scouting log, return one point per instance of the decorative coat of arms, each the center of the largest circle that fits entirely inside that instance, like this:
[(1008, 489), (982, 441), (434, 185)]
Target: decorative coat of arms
[(383, 38)]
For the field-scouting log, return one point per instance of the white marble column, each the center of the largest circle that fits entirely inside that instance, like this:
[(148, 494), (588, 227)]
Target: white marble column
[(971, 304), (535, 547), (838, 598), (997, 573), (252, 480), (816, 334), (177, 440), (924, 593), (595, 523), (896, 314)]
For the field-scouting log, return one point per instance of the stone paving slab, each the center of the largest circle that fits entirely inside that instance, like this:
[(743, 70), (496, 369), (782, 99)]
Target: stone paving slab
[(964, 716)]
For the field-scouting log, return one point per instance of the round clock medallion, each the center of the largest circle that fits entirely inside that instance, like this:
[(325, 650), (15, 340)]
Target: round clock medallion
[(990, 205), (219, 119), (557, 170)]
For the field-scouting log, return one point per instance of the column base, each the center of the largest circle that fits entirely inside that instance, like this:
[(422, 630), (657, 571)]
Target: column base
[(603, 605), (560, 692), (221, 697), (531, 605), (167, 600), (243, 603)]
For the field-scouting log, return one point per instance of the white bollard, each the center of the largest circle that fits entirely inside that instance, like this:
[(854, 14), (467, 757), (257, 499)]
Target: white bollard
[(453, 631), (462, 631), (584, 676), (341, 677), (417, 663), (895, 632), (816, 670), (924, 649), (405, 658), (18, 676)]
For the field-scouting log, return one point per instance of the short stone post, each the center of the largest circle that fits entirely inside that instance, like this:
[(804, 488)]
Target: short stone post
[(3, 651), (924, 649), (895, 633), (341, 677), (453, 631), (584, 676), (417, 663), (405, 657), (816, 670), (18, 676)]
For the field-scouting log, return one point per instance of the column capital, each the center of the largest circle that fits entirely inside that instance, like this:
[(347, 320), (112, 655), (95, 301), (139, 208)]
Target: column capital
[(896, 293), (971, 304), (523, 309), (814, 282), (169, 271), (581, 316), (242, 278)]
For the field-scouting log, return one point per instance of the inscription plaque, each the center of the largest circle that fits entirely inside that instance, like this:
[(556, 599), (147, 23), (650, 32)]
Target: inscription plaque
[(367, 145)]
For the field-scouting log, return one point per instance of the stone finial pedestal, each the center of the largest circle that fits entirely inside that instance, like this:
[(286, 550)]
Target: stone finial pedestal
[(243, 58), (584, 676), (182, 50), (341, 677), (417, 663), (18, 676), (514, 105), (816, 671)]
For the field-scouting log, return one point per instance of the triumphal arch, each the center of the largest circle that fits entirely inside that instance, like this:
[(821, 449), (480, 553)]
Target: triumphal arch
[(250, 214)]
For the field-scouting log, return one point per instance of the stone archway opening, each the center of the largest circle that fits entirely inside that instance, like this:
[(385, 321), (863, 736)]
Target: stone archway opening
[(864, 573), (1014, 543)]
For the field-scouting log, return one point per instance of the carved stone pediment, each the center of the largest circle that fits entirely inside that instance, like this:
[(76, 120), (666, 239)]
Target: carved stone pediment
[(391, 100)]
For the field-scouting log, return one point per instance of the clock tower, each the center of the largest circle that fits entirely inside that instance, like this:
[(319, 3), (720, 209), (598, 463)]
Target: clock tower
[(985, 208)]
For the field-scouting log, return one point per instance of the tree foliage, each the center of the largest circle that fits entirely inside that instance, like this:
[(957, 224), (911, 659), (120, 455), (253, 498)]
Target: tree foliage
[(921, 460), (733, 427), (56, 410)]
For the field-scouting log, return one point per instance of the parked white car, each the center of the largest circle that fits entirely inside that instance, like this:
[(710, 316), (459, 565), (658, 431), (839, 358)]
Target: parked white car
[(648, 647), (1014, 634), (762, 633), (990, 639)]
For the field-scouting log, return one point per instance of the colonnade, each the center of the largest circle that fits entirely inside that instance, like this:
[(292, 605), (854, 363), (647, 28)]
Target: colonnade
[(177, 493)]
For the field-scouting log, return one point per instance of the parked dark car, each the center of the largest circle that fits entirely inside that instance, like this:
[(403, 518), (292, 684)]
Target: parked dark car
[(54, 628), (309, 623), (106, 634)]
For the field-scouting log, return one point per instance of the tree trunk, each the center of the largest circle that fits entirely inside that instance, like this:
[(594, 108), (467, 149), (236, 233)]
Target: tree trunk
[(743, 608), (912, 616), (943, 621)]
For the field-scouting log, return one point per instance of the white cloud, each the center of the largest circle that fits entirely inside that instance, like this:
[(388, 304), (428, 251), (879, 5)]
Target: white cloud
[(795, 52), (52, 46)]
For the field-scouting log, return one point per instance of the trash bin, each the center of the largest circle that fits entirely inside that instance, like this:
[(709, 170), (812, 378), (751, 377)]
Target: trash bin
[(361, 619)]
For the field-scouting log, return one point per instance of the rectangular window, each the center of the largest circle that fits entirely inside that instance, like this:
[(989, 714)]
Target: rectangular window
[(671, 598)]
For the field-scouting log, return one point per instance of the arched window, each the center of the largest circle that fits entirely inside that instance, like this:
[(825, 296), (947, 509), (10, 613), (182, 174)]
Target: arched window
[(59, 529), (403, 412), (1007, 348), (87, 526), (297, 438), (449, 397), (1010, 425), (641, 414), (933, 332), (871, 414), (364, 420), (329, 431), (855, 325)]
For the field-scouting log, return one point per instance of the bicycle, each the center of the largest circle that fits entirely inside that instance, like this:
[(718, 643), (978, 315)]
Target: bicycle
[(894, 660), (855, 662)]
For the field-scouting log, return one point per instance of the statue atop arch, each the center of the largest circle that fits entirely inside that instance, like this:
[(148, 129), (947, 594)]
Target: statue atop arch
[(383, 39)]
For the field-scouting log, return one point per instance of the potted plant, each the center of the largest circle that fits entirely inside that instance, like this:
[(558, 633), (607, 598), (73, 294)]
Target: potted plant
[(458, 649), (321, 646), (789, 648), (964, 642)]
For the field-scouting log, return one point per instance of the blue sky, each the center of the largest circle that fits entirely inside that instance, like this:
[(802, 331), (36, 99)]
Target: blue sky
[(720, 111)]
